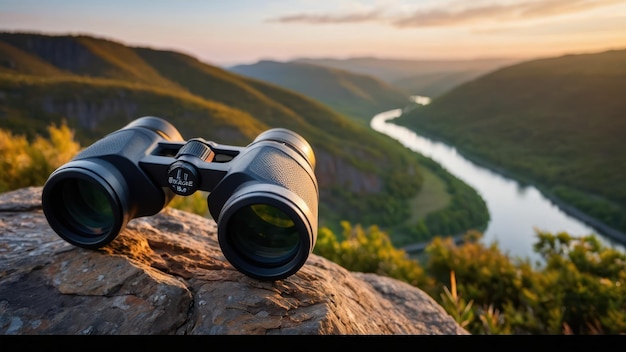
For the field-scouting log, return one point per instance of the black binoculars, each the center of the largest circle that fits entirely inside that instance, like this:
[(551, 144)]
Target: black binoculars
[(263, 197)]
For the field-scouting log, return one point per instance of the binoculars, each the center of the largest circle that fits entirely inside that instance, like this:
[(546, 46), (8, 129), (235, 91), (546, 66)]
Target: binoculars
[(263, 197)]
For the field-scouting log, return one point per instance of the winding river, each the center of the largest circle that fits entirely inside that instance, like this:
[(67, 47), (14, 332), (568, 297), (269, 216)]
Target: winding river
[(516, 211)]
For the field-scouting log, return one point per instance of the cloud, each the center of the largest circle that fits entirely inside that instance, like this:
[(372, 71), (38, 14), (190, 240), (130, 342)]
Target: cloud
[(451, 16), (370, 16), (496, 12)]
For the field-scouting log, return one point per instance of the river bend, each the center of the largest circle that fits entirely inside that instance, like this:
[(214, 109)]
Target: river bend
[(515, 210)]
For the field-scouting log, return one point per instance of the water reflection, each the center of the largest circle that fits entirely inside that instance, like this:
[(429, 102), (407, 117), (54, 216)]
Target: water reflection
[(515, 210)]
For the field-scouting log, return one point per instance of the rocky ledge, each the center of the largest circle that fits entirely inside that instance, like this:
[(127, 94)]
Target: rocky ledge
[(165, 274)]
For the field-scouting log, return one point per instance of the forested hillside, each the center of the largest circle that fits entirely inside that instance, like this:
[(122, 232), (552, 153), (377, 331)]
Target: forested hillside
[(429, 78), (558, 122), (355, 95), (97, 86)]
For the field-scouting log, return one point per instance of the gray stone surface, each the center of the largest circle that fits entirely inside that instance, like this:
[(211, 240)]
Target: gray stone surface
[(165, 274)]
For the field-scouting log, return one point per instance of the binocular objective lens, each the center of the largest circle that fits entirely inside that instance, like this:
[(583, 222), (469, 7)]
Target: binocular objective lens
[(263, 234), (87, 207)]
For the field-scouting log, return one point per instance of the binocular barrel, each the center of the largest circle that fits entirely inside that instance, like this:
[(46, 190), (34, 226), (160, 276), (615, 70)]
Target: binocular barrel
[(264, 197)]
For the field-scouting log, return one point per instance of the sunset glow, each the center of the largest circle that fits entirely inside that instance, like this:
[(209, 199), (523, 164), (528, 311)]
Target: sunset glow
[(245, 31)]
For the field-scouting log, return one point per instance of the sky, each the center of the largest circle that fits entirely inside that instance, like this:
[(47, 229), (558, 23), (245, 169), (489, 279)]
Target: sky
[(231, 32)]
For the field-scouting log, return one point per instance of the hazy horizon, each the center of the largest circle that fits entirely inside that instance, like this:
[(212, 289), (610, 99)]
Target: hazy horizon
[(246, 31)]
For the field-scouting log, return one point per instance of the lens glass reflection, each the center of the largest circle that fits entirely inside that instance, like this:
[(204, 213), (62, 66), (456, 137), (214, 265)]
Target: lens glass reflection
[(88, 208), (263, 234)]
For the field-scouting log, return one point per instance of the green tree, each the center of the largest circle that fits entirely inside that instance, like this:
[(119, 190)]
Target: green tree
[(579, 289), (25, 163), (588, 282), (370, 251)]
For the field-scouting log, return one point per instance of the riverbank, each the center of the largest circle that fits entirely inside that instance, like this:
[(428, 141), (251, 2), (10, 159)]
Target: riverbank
[(601, 227), (518, 207)]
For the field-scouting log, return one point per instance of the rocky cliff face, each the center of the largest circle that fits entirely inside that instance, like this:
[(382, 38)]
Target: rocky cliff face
[(165, 274)]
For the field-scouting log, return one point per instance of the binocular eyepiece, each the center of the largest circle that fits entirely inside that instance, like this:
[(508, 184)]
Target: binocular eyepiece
[(264, 197)]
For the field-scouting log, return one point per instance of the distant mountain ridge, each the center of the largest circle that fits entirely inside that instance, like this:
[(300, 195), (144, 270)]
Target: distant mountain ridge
[(355, 95), (98, 86), (416, 77)]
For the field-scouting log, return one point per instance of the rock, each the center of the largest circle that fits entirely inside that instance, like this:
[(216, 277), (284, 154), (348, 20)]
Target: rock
[(165, 274)]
